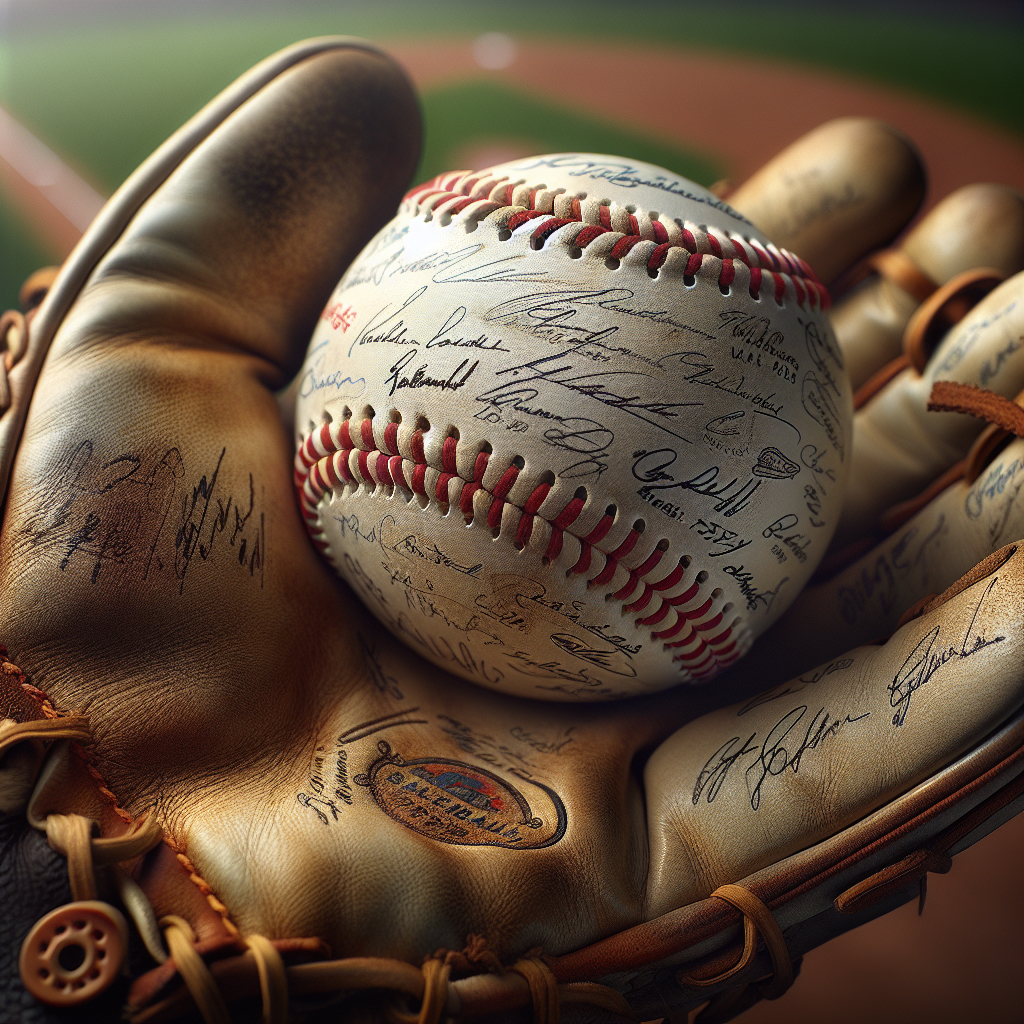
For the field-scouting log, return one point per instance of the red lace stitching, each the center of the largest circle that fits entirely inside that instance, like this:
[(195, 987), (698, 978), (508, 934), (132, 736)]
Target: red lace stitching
[(340, 453), (769, 266)]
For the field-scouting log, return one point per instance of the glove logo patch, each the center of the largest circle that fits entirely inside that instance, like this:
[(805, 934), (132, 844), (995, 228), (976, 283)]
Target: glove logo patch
[(459, 803)]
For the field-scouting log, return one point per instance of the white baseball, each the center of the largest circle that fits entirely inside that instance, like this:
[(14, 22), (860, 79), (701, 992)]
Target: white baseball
[(573, 428)]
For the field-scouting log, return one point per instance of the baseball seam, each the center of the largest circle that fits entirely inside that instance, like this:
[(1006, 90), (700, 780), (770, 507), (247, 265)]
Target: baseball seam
[(674, 244), (330, 457)]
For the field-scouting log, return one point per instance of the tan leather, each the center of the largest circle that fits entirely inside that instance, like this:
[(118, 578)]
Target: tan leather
[(976, 226), (839, 191), (314, 779), (898, 445)]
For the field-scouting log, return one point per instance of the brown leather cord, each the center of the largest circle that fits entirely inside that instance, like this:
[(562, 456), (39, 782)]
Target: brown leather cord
[(947, 307), (933, 857), (140, 910), (878, 380), (434, 1000), (13, 337), (758, 920), (71, 835), (435, 991), (896, 266), (952, 396), (207, 996), (47, 729), (929, 325), (1006, 420), (543, 989), (273, 979)]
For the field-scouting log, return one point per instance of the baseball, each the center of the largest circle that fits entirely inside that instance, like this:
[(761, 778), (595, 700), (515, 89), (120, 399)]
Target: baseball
[(573, 429)]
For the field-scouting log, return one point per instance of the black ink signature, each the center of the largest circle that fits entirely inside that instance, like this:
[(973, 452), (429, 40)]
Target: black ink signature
[(315, 379), (751, 594), (421, 378), (924, 662), (195, 509), (729, 497)]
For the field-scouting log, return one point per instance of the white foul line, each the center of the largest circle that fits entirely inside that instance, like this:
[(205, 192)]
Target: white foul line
[(76, 200)]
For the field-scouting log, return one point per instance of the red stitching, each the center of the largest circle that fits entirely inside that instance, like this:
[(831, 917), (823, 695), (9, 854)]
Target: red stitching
[(325, 460), (782, 266)]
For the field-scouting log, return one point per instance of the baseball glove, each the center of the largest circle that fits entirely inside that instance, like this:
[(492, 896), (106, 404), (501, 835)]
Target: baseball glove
[(227, 794)]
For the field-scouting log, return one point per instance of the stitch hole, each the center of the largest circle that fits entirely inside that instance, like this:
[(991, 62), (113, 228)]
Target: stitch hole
[(702, 577), (662, 544), (716, 593), (547, 477), (486, 448), (496, 532), (310, 427), (368, 412), (639, 526), (422, 424), (504, 234), (689, 280), (654, 274), (581, 494), (726, 608), (725, 289), (630, 208), (453, 433), (755, 295), (612, 264), (519, 462), (684, 562), (395, 416), (545, 561), (612, 511), (327, 417), (575, 252), (346, 413)]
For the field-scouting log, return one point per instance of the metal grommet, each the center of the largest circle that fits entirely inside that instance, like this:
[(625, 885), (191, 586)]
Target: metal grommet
[(73, 953)]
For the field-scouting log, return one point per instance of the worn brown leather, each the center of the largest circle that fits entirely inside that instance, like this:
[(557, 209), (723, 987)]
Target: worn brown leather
[(315, 780)]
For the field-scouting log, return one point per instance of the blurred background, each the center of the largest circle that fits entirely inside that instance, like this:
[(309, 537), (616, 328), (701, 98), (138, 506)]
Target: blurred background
[(89, 87)]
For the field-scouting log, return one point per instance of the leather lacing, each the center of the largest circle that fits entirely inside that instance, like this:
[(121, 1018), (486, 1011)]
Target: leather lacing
[(74, 836), (15, 325), (665, 244), (758, 924)]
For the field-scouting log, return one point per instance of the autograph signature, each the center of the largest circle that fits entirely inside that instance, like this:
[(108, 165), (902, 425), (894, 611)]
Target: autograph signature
[(924, 662)]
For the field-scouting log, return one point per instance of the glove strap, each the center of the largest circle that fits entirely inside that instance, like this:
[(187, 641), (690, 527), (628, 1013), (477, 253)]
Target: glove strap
[(758, 922)]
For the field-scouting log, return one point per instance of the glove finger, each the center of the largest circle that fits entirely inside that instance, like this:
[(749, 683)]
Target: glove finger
[(926, 553), (899, 446), (748, 785), (976, 226), (152, 486), (838, 192)]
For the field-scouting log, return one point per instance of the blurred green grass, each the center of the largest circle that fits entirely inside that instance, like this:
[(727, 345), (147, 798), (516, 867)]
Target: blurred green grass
[(470, 110), (105, 95)]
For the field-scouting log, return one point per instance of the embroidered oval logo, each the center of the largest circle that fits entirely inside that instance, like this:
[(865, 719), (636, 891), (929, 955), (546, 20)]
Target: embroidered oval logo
[(455, 802)]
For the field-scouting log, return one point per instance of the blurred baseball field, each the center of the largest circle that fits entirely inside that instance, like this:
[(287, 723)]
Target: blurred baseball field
[(708, 90)]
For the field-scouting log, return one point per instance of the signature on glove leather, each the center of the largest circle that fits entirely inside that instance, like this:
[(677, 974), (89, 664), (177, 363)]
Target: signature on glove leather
[(135, 514), (925, 661)]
